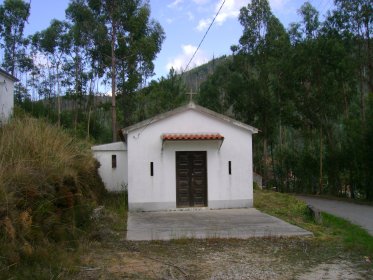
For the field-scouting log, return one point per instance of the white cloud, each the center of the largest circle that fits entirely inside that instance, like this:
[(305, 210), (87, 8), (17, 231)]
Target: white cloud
[(231, 9), (180, 61), (190, 16), (175, 4), (203, 24), (201, 2)]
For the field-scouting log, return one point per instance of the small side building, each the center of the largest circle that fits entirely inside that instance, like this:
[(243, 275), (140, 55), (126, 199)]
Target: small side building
[(113, 165), (6, 95)]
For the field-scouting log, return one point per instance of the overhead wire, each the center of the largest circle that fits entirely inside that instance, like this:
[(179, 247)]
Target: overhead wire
[(191, 59), (203, 38)]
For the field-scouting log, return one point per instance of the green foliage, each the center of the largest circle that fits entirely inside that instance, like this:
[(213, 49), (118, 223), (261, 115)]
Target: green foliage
[(282, 205), (117, 202), (217, 92), (13, 16), (307, 90), (160, 96), (137, 38), (123, 42), (353, 236)]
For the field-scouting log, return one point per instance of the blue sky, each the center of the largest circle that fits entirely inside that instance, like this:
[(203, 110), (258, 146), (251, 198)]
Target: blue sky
[(185, 22)]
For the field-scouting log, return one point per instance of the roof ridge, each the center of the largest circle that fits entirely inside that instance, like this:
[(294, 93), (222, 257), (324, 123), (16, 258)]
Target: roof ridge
[(190, 106)]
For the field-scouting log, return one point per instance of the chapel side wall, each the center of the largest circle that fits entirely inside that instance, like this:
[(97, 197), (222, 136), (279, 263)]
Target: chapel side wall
[(6, 98), (114, 179), (158, 192)]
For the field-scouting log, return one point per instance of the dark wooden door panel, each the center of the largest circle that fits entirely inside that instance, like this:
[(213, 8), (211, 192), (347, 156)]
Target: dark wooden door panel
[(191, 179)]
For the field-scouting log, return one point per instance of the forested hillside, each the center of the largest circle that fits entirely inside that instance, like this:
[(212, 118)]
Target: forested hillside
[(307, 86)]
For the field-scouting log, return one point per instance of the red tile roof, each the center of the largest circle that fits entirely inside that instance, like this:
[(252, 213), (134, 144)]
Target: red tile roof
[(192, 136)]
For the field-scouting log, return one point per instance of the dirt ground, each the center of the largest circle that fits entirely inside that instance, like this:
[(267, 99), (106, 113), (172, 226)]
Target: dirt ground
[(276, 258), (108, 255)]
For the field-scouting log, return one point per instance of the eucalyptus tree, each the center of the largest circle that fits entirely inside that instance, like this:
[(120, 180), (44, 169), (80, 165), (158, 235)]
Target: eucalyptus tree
[(13, 16), (81, 68), (310, 20), (354, 20), (368, 151), (307, 66), (124, 41), (218, 90), (323, 86), (262, 49), (159, 96), (54, 42)]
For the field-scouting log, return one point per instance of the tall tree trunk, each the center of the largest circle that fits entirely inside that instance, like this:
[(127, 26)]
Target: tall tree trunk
[(369, 53), (352, 189), (274, 170), (13, 58), (113, 81), (361, 84), (265, 162), (50, 84), (321, 163), (58, 97), (77, 89), (89, 121)]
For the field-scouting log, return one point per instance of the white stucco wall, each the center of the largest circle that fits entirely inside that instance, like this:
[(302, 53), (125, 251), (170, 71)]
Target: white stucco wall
[(115, 179), (6, 98), (159, 192)]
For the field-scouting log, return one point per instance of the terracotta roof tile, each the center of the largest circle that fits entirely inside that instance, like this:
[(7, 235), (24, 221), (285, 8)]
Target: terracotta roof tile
[(192, 136)]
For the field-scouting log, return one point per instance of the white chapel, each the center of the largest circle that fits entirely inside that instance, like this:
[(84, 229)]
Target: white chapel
[(185, 158)]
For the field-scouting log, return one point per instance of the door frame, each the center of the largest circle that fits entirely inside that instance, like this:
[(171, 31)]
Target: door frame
[(190, 187)]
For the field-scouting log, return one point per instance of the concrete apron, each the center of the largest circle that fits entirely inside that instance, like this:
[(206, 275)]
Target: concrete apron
[(225, 223)]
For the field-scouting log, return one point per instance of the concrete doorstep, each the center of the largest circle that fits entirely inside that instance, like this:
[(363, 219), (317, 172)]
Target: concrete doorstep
[(224, 223)]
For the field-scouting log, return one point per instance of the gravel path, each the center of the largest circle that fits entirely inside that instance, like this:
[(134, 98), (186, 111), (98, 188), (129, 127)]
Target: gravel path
[(361, 215)]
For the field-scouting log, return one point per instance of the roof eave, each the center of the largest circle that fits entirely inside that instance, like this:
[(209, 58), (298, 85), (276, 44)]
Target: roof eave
[(9, 76), (227, 119)]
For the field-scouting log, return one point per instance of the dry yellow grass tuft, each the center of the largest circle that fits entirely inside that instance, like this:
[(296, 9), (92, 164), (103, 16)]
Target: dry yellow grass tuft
[(48, 185)]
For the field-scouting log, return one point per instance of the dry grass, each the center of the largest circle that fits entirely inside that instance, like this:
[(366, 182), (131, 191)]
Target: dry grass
[(48, 186)]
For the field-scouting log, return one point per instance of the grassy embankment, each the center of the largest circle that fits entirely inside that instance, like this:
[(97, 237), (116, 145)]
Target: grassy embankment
[(48, 188), (332, 231)]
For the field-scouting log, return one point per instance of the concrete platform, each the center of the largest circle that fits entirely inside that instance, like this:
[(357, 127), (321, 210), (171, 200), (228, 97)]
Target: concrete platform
[(225, 223)]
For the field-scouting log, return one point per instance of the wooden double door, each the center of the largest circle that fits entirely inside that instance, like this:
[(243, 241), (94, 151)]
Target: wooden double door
[(191, 179)]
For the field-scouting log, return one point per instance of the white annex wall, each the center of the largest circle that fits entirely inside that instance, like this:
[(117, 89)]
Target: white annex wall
[(158, 192), (115, 179), (6, 98)]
